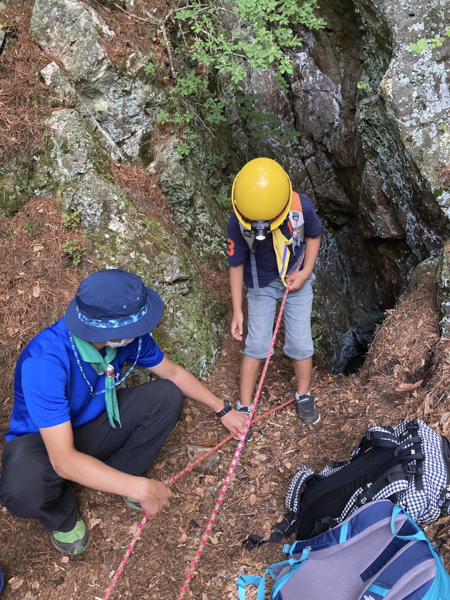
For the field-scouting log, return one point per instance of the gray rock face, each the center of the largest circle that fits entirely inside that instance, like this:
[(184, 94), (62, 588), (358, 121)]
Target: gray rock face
[(372, 160), (122, 105), (379, 212), (416, 84)]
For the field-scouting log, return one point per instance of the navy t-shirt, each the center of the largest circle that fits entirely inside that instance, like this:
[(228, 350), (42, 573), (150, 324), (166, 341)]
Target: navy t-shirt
[(49, 388), (266, 260)]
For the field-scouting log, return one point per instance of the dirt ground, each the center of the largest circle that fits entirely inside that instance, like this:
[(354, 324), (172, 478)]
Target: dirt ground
[(37, 279)]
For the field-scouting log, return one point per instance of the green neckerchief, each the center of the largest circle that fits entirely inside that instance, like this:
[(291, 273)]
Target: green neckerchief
[(92, 356)]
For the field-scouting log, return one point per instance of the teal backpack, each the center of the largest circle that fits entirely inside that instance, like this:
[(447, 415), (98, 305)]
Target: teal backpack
[(379, 553)]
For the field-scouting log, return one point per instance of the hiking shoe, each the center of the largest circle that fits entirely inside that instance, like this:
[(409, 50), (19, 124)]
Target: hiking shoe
[(249, 436), (74, 541), (308, 413), (132, 503)]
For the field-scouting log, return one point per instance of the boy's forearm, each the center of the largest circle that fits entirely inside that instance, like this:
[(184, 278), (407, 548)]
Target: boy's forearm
[(311, 253), (236, 281)]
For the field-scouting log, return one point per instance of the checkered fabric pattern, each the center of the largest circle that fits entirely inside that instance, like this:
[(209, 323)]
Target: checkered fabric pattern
[(295, 488), (424, 506)]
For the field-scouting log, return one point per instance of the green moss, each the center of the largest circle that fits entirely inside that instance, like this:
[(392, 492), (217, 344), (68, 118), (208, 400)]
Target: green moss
[(15, 189)]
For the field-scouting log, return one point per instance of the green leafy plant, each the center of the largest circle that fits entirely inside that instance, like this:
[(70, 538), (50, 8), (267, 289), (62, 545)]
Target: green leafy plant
[(443, 127), (363, 85), (150, 67), (217, 44), (423, 43), (72, 220), (75, 249), (28, 226)]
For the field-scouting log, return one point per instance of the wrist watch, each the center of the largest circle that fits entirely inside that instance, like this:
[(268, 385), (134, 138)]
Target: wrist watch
[(226, 409)]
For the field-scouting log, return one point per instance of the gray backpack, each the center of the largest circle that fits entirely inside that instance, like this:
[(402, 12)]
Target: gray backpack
[(379, 553)]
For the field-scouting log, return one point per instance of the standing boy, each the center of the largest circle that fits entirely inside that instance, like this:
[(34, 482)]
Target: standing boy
[(273, 240)]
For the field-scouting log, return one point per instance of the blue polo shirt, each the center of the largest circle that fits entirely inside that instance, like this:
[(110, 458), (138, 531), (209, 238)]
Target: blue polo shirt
[(266, 260), (49, 388)]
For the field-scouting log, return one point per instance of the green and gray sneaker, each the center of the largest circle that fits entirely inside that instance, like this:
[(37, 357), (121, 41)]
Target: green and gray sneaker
[(74, 541), (132, 503)]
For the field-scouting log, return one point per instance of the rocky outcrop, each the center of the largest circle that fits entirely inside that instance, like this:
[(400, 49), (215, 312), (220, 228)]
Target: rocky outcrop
[(123, 106), (415, 85), (381, 211), (372, 155)]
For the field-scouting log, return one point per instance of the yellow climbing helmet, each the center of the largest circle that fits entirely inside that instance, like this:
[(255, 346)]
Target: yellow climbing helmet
[(262, 191)]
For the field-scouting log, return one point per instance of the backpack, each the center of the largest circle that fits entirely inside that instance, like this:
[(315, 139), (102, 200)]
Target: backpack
[(409, 464), (379, 553)]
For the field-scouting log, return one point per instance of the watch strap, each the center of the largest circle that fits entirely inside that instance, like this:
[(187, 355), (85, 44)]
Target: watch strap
[(226, 409)]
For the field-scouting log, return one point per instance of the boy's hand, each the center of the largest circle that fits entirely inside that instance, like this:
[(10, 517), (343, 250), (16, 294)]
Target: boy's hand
[(154, 495), (237, 325), (298, 280), (235, 420)]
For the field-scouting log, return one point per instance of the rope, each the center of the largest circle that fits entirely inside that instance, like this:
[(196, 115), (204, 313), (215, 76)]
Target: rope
[(232, 435), (235, 460), (180, 474), (227, 478)]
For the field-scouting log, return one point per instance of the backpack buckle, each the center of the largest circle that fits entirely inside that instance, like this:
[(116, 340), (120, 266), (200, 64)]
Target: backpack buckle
[(410, 469)]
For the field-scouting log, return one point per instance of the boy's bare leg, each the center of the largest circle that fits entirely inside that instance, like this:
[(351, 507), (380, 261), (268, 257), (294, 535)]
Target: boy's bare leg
[(303, 372), (249, 374)]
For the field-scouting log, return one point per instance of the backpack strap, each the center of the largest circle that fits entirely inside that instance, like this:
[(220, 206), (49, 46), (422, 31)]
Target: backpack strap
[(248, 235), (280, 531), (408, 560), (295, 563), (296, 221), (394, 474)]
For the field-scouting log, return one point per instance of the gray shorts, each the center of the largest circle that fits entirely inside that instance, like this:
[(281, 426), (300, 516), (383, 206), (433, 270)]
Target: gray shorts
[(297, 320)]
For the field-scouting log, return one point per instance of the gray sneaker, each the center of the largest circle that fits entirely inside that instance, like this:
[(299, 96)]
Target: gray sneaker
[(132, 503), (308, 413), (249, 436)]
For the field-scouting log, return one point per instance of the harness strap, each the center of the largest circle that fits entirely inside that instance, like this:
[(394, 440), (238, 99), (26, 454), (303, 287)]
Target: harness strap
[(254, 268), (397, 473)]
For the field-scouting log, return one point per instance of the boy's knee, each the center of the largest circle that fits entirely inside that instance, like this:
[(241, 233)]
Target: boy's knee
[(23, 476), (173, 396)]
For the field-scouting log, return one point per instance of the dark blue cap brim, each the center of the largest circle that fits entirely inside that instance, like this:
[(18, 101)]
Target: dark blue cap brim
[(98, 334)]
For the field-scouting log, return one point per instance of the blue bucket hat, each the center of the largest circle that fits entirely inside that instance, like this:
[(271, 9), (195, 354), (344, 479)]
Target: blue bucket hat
[(113, 304)]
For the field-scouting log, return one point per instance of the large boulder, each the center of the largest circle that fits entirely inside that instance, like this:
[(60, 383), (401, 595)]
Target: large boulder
[(122, 104), (416, 84)]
